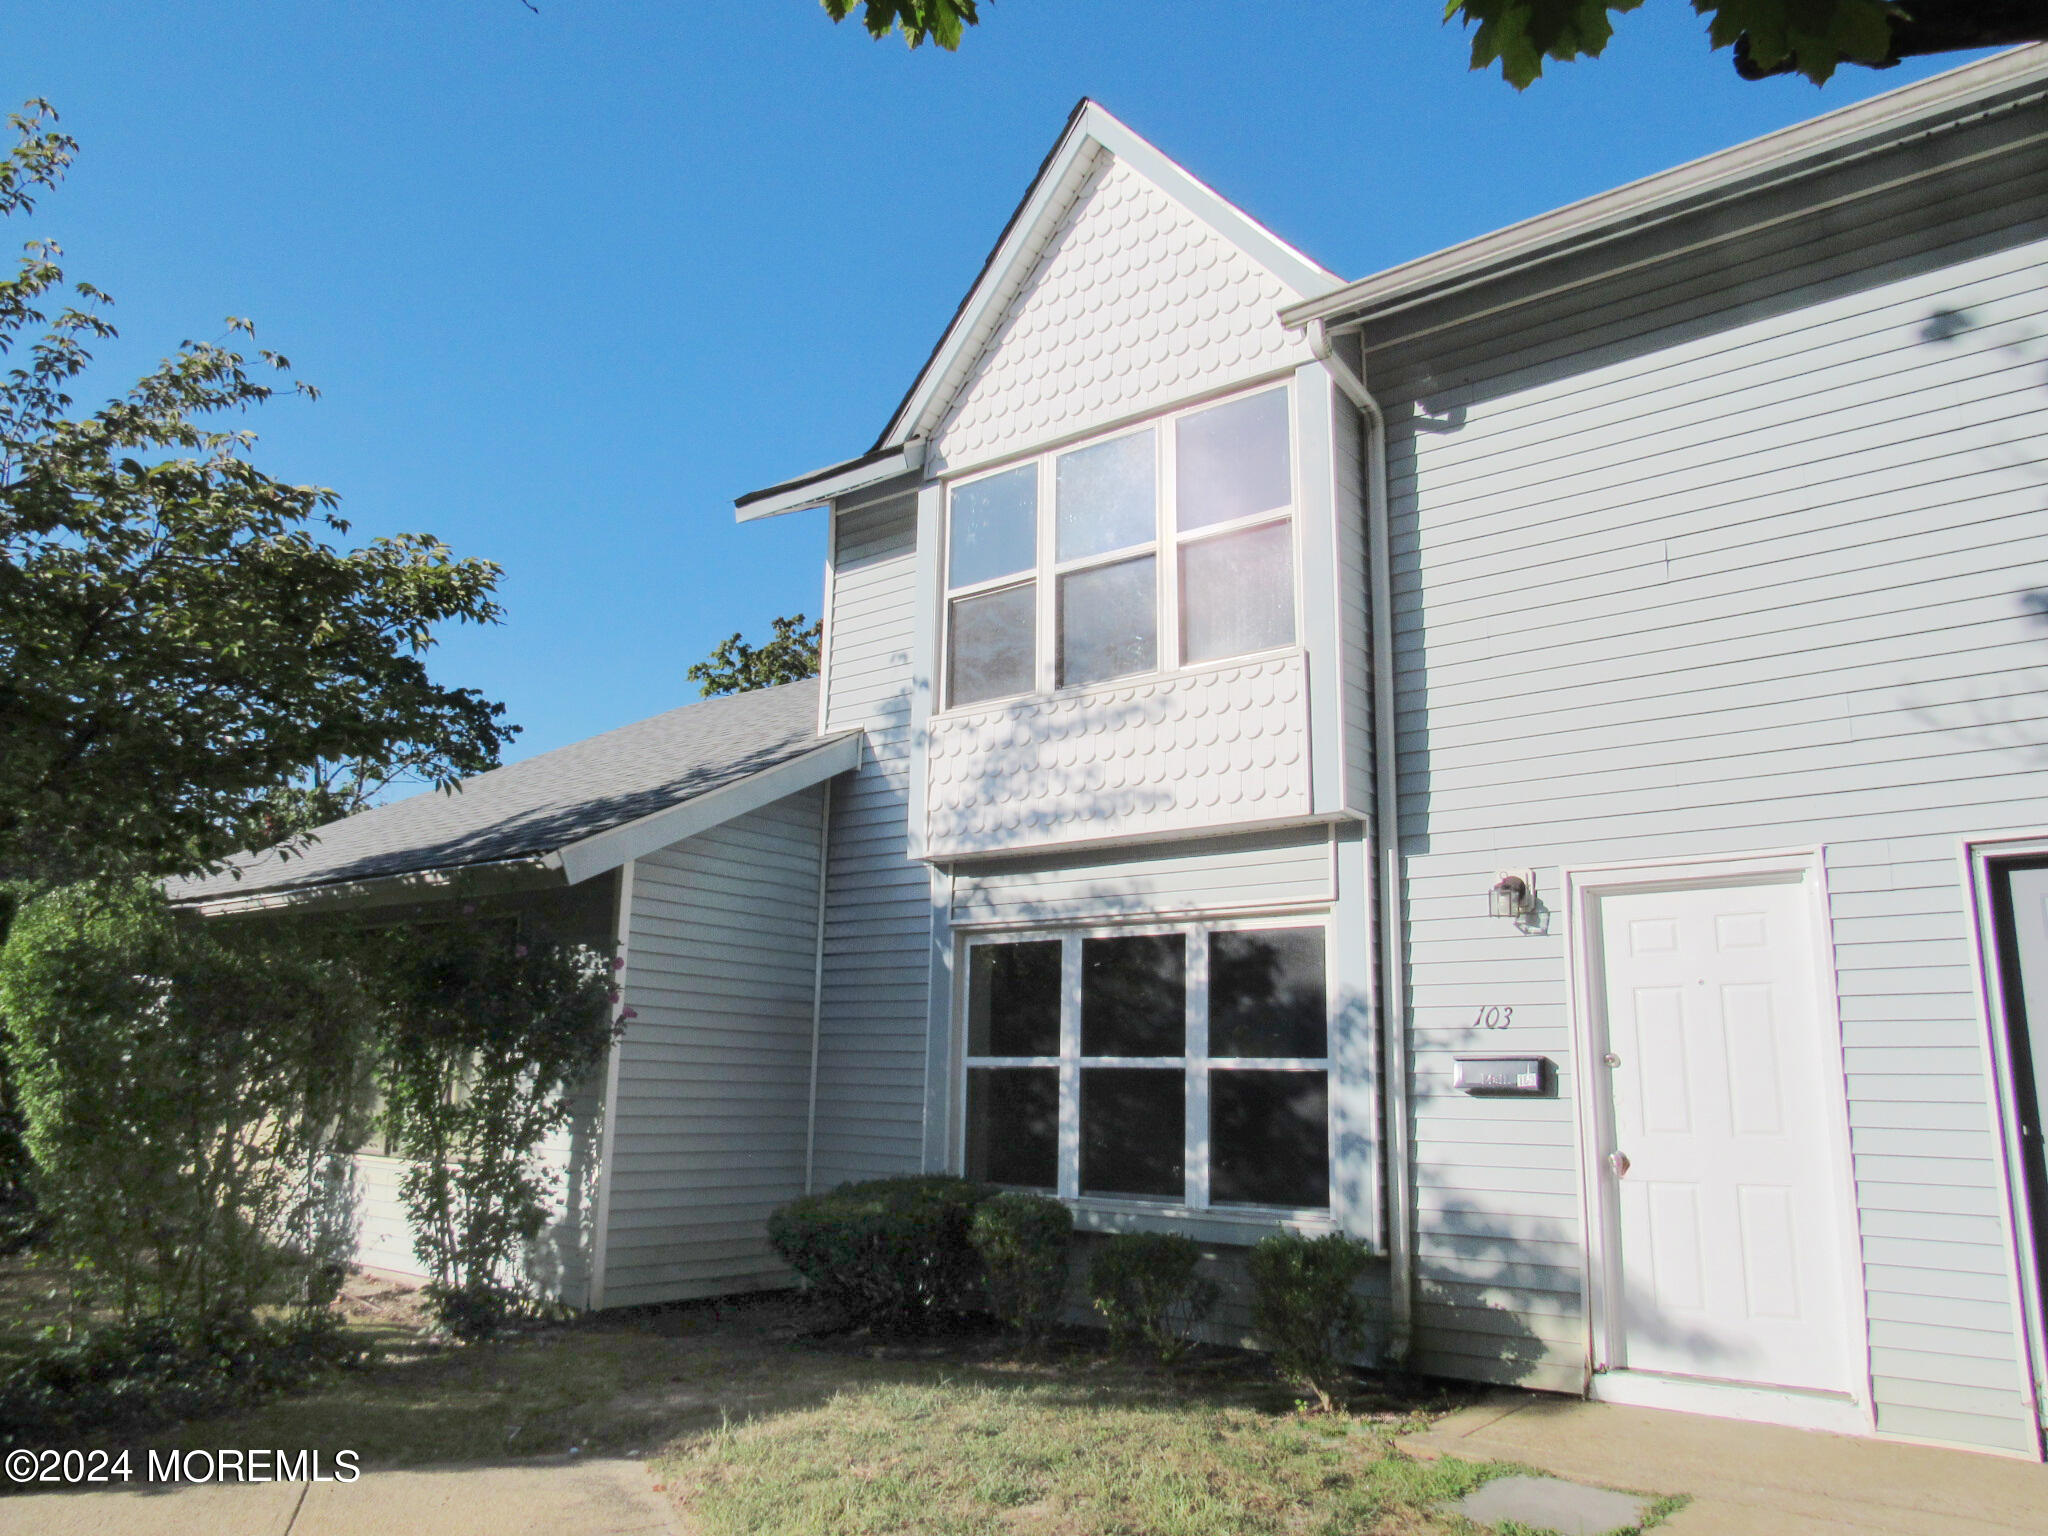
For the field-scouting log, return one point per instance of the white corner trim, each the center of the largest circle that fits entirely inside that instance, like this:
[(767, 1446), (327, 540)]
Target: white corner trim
[(600, 1247), (608, 850)]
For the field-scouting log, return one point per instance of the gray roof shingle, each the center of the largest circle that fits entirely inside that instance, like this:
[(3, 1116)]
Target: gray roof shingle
[(543, 803)]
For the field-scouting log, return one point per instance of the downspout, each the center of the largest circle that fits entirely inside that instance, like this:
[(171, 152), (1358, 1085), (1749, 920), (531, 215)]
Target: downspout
[(1392, 907), (818, 981)]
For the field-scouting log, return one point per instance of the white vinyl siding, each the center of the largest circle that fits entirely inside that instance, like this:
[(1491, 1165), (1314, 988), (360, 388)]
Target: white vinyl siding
[(1721, 556), (1216, 874), (871, 1064), (557, 1265), (709, 1119)]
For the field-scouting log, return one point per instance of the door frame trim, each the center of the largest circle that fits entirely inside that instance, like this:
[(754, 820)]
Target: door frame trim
[(1977, 852), (1583, 886)]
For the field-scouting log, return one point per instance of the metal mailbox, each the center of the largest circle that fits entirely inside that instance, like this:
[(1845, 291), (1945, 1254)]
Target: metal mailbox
[(1514, 1076)]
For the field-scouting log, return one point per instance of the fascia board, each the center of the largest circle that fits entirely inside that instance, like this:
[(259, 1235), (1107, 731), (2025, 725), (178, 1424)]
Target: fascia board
[(1723, 176), (998, 277), (1302, 273), (823, 486), (533, 872), (608, 850)]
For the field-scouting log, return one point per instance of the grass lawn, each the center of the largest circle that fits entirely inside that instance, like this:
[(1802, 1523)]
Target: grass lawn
[(761, 1426)]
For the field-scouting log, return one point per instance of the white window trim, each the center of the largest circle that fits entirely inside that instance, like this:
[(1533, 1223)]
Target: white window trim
[(1165, 546), (1193, 1213)]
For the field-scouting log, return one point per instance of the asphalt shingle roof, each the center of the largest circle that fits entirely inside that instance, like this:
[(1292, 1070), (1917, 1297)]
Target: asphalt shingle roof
[(544, 803)]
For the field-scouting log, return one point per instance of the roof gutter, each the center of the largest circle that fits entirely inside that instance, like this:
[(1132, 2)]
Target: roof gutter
[(1390, 905), (1729, 178)]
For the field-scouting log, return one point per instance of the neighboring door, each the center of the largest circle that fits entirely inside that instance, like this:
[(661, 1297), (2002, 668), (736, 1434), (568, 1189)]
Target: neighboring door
[(2019, 903), (1723, 1198)]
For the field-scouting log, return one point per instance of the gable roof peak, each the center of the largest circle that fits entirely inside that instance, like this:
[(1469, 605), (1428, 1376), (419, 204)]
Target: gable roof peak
[(1091, 130)]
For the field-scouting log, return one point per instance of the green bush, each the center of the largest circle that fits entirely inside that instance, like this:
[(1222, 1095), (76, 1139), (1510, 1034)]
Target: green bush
[(1144, 1284), (1023, 1241), (892, 1254), (181, 1087), (140, 1375), (488, 1031), (1305, 1308)]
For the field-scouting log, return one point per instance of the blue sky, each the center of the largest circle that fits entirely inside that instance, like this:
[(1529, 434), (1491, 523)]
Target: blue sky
[(570, 281)]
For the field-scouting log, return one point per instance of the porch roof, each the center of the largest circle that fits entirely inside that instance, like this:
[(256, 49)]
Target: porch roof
[(559, 818)]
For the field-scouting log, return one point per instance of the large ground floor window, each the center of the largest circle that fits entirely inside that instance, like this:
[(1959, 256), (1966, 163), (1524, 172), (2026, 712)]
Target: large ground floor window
[(1187, 1065)]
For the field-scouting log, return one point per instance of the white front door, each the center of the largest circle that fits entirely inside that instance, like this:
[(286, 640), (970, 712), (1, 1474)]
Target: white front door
[(1722, 1200)]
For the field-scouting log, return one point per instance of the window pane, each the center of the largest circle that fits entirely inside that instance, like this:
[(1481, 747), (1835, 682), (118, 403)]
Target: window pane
[(1013, 999), (1013, 1125), (1106, 499), (994, 649), (1231, 461), (1269, 1139), (1237, 593), (1134, 996), (1133, 1123), (994, 528), (1266, 994), (1109, 624)]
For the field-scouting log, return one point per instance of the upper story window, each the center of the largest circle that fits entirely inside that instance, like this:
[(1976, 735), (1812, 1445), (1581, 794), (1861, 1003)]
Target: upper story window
[(1158, 548)]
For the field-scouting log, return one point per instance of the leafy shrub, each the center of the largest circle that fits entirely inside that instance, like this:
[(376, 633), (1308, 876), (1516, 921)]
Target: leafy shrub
[(1304, 1306), (488, 1029), (180, 1086), (138, 1375), (1023, 1240), (1144, 1284), (890, 1253)]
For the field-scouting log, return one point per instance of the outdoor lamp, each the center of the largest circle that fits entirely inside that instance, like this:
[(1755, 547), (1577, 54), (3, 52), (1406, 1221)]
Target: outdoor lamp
[(1513, 895)]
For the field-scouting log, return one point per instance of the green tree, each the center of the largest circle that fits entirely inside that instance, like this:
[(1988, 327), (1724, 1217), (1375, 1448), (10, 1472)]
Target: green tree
[(1769, 37), (177, 636), (737, 667)]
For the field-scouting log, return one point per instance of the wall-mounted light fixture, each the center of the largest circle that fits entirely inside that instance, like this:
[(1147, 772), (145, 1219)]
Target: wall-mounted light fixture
[(1513, 894)]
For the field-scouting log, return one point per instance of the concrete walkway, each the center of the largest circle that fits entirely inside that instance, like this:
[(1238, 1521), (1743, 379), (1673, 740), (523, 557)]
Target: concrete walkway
[(599, 1497), (1751, 1479)]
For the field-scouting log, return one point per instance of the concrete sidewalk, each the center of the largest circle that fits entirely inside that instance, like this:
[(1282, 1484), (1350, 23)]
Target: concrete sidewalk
[(1751, 1479), (599, 1497)]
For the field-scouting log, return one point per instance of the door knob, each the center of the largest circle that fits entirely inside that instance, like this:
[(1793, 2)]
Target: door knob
[(1618, 1161)]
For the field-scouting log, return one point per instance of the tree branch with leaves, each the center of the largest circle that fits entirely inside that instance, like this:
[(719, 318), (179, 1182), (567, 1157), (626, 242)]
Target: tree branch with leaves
[(178, 637)]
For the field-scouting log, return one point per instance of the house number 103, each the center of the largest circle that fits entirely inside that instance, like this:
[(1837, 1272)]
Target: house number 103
[(1494, 1017)]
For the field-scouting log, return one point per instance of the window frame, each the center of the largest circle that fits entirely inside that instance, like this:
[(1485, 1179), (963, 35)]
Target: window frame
[(1195, 1066), (1165, 547)]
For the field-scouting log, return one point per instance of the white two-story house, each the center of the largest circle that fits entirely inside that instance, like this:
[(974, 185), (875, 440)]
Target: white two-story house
[(1537, 758), (1523, 758)]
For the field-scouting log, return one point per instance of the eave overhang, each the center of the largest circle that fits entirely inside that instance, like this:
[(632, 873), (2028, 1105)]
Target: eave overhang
[(1720, 180), (571, 864), (876, 467)]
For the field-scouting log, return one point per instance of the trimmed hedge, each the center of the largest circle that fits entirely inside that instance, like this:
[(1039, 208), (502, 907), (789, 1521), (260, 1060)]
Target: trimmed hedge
[(1145, 1287), (1304, 1306), (1023, 1241), (892, 1254)]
